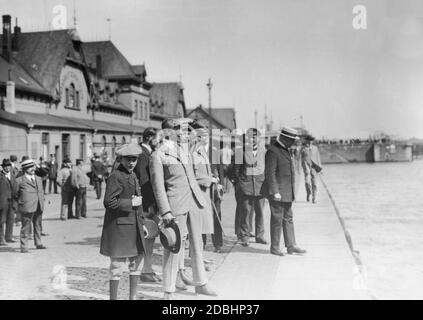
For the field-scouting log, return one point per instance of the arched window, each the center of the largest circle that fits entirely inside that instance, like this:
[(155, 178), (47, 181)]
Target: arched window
[(114, 147), (72, 94), (123, 140)]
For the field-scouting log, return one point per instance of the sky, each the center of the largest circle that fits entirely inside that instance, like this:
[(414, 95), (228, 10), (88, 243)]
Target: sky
[(299, 58)]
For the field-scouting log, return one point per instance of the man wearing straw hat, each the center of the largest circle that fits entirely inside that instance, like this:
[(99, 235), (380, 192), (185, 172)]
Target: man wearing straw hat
[(28, 191), (279, 187)]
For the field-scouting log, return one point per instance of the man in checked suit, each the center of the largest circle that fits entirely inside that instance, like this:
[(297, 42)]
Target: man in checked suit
[(178, 197), (279, 187), (28, 191)]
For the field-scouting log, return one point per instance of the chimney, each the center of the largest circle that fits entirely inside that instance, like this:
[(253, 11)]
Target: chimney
[(98, 65), (10, 96), (7, 37), (15, 40)]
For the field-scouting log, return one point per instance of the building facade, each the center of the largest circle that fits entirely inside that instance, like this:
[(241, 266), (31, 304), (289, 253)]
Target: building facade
[(62, 96)]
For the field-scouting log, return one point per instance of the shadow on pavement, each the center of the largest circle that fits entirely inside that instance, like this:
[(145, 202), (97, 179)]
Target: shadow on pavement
[(95, 241)]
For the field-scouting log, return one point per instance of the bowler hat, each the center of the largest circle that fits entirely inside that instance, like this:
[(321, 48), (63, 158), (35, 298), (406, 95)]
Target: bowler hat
[(6, 162), (27, 164), (290, 133), (170, 237)]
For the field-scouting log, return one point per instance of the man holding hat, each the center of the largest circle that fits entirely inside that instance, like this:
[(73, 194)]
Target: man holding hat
[(122, 238), (179, 199), (279, 187), (28, 190), (6, 203)]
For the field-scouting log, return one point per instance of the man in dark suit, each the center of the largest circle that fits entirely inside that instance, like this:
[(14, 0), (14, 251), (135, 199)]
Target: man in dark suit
[(279, 187), (122, 238), (28, 191), (249, 178), (7, 181), (53, 168), (98, 170), (142, 171)]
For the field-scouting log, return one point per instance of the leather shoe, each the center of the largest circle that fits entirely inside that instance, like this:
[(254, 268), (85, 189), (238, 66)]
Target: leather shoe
[(245, 244), (252, 235), (277, 253), (205, 290), (11, 241), (44, 234), (149, 277), (295, 250), (24, 250), (3, 244), (262, 241), (41, 247)]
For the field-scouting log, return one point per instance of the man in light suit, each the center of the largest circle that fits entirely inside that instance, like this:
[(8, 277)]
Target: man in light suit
[(28, 191), (279, 187), (178, 197)]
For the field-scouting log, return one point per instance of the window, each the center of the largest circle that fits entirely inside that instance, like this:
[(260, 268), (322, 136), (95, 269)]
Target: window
[(113, 147), (123, 140), (45, 141), (67, 96), (142, 111), (136, 110), (77, 101), (82, 146), (72, 96), (146, 111)]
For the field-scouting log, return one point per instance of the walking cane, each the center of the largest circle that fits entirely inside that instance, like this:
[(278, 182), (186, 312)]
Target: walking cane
[(215, 210)]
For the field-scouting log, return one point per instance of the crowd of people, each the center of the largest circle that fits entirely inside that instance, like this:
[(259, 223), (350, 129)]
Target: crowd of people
[(170, 186), (23, 187)]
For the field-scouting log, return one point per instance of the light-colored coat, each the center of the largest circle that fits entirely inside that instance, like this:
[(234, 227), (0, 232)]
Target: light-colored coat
[(174, 184), (28, 194), (203, 174)]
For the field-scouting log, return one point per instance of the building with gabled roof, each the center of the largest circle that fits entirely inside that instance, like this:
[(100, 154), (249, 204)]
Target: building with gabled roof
[(221, 118), (59, 95)]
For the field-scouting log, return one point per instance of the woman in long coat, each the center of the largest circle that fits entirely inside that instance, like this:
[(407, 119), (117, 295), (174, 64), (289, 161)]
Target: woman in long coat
[(122, 238)]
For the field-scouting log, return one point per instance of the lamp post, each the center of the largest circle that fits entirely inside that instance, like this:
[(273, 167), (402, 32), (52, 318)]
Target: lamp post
[(210, 86)]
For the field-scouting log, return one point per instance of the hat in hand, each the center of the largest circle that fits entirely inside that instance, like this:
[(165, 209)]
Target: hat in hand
[(170, 236)]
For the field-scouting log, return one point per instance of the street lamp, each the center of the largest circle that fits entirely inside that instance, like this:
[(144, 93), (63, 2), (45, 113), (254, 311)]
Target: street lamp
[(209, 86)]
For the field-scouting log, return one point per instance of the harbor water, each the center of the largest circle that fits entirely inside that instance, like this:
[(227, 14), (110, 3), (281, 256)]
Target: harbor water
[(382, 205)]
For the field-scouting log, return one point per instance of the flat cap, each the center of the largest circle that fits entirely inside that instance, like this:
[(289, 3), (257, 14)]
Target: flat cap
[(129, 150)]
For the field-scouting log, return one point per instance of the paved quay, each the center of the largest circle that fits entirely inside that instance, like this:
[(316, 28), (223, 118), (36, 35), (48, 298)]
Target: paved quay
[(327, 271)]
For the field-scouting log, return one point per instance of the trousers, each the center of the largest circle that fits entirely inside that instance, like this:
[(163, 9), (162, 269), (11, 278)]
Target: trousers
[(6, 220), (246, 204), (81, 202), (190, 223), (35, 218), (281, 218)]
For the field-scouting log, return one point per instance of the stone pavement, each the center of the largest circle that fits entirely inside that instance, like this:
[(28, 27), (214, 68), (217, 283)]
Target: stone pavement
[(326, 272)]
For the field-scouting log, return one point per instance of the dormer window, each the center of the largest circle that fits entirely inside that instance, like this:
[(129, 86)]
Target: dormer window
[(72, 97)]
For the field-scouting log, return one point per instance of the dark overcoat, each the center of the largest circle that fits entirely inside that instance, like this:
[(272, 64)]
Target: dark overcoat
[(280, 173), (123, 234), (142, 171)]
